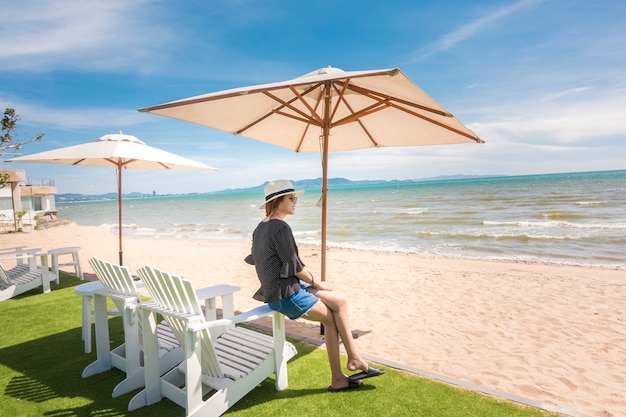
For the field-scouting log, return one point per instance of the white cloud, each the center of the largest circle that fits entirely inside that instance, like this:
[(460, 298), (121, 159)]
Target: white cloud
[(478, 26), (105, 34), (72, 118), (576, 115), (565, 93)]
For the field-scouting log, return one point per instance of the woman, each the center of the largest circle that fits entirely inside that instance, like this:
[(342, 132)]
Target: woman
[(289, 288)]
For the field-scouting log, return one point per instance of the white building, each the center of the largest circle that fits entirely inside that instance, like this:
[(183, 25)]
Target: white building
[(23, 204)]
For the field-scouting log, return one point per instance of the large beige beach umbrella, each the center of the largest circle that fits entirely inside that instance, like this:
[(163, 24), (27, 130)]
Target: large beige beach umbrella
[(120, 152), (325, 111)]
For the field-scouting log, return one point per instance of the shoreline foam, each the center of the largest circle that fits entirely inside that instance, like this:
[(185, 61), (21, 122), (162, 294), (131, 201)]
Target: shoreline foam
[(132, 231)]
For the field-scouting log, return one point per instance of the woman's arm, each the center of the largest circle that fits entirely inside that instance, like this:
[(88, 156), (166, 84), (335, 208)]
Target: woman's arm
[(306, 276)]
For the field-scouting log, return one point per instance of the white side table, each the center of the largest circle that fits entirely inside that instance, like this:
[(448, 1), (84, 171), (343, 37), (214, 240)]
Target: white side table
[(75, 262), (86, 292)]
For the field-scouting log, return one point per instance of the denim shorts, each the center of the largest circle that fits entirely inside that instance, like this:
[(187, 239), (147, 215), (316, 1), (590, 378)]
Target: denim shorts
[(295, 306)]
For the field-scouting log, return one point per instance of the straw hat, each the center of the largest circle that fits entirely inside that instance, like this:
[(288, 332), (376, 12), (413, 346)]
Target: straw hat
[(278, 188)]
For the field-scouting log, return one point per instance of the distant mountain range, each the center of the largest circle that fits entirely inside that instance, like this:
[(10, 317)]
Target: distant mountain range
[(303, 184)]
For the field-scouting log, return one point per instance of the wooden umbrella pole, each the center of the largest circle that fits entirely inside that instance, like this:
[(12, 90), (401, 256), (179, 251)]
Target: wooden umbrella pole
[(119, 208), (326, 134)]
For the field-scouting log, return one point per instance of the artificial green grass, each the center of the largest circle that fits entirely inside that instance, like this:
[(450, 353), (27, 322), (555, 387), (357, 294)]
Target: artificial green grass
[(41, 360)]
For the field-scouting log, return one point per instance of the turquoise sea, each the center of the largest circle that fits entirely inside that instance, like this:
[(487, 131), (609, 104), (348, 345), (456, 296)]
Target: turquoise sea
[(572, 218)]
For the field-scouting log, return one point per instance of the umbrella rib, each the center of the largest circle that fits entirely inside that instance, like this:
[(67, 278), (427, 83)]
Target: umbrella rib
[(428, 119), (340, 96), (380, 97), (120, 163), (127, 162), (307, 105), (305, 118), (385, 101), (289, 106), (381, 106), (358, 116), (309, 121), (259, 120), (318, 100), (361, 113)]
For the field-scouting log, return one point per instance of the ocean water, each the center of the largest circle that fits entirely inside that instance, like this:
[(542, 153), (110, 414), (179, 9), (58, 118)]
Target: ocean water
[(573, 218)]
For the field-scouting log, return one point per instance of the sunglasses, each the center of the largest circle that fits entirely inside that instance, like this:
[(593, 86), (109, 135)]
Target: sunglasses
[(293, 198)]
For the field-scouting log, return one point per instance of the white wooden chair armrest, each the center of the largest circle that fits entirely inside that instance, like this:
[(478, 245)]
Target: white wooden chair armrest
[(19, 251), (29, 255), (129, 300), (216, 291), (250, 315), (209, 294), (13, 249)]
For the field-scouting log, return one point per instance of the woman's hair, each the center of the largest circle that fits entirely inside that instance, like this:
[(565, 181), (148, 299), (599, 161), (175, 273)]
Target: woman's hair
[(272, 206)]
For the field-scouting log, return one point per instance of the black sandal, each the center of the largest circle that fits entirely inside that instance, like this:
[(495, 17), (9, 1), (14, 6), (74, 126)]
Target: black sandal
[(351, 385), (370, 373)]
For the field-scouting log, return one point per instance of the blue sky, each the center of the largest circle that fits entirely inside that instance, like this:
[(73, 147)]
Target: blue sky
[(541, 81)]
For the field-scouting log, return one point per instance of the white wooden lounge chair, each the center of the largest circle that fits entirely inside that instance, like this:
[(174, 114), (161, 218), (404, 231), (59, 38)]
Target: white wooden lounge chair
[(22, 259), (25, 275), (119, 285), (223, 362)]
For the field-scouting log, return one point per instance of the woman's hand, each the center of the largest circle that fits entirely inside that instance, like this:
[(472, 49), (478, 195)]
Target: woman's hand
[(323, 286)]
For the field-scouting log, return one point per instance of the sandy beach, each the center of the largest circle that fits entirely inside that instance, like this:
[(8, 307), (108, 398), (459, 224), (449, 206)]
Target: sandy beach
[(553, 334)]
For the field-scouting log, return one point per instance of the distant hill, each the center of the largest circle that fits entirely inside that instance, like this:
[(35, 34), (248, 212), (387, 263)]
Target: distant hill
[(316, 183), (108, 196), (308, 184), (312, 184)]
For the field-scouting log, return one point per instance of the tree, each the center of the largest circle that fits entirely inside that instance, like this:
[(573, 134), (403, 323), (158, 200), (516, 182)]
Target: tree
[(7, 140), (9, 123)]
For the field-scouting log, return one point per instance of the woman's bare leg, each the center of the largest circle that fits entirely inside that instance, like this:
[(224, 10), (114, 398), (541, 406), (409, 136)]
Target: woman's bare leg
[(339, 307), (321, 313)]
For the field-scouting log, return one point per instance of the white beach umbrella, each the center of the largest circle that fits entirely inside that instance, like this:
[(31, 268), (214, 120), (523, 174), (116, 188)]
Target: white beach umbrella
[(325, 111), (118, 151)]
